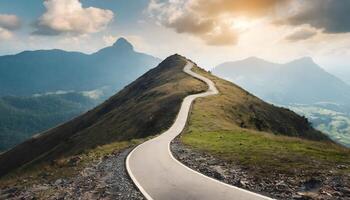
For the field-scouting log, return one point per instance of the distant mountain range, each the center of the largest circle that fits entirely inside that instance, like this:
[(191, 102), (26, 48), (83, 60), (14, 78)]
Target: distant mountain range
[(44, 71), (343, 73), (41, 89), (300, 85), (300, 82)]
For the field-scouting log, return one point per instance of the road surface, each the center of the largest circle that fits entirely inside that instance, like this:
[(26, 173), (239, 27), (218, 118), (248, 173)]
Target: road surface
[(158, 175)]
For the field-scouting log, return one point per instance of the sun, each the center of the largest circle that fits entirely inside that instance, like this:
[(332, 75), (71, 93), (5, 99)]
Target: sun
[(242, 23)]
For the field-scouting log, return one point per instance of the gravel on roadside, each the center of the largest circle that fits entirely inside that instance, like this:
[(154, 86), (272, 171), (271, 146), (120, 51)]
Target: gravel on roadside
[(277, 186), (106, 179)]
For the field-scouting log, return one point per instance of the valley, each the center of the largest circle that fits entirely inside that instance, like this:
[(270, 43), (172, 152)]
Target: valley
[(333, 120), (22, 117)]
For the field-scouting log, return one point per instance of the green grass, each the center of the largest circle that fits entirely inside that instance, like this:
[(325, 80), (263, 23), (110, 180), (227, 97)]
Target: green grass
[(214, 128), (266, 152)]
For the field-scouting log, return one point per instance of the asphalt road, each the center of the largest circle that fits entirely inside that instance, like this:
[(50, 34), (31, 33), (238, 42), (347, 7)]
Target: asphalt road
[(158, 175)]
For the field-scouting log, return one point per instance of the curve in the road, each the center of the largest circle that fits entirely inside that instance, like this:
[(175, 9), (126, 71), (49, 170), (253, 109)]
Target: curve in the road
[(158, 175)]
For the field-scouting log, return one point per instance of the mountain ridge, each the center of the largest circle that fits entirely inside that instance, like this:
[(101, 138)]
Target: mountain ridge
[(52, 70), (277, 77)]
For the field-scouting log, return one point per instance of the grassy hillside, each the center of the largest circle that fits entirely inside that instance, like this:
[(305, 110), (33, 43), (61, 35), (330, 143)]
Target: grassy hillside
[(302, 86), (243, 131), (235, 107), (144, 108), (21, 117)]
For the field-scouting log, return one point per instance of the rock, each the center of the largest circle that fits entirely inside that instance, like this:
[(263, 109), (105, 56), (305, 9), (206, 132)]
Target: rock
[(10, 190), (342, 167), (346, 191), (44, 175), (307, 195), (312, 184), (217, 175), (74, 161), (58, 182), (243, 183), (297, 197), (281, 186)]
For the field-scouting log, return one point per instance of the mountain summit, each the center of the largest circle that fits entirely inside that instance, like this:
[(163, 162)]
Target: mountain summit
[(122, 43)]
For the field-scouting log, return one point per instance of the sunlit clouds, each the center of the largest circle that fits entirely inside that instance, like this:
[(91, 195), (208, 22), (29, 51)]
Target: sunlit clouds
[(68, 16), (217, 22), (208, 31), (8, 23), (221, 20)]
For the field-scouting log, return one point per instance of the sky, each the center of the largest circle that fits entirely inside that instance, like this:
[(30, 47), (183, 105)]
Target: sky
[(207, 31)]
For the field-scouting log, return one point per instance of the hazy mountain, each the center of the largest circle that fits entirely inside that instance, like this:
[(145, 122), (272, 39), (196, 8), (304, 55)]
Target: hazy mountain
[(300, 81), (43, 71), (300, 85), (49, 87), (343, 73), (21, 117), (146, 107)]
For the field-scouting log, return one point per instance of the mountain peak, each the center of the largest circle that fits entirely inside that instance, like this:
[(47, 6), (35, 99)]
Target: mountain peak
[(123, 43), (304, 60)]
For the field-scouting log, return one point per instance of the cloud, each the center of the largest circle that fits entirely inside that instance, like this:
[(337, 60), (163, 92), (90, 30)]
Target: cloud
[(251, 8), (301, 34), (93, 94), (69, 16), (5, 34), (109, 39), (9, 22), (331, 16), (210, 20)]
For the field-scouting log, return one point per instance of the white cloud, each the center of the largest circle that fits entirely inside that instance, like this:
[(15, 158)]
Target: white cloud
[(93, 94), (301, 34), (69, 16), (5, 34), (109, 39), (9, 22)]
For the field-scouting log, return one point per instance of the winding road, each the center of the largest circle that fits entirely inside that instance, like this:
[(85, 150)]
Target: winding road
[(159, 176)]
